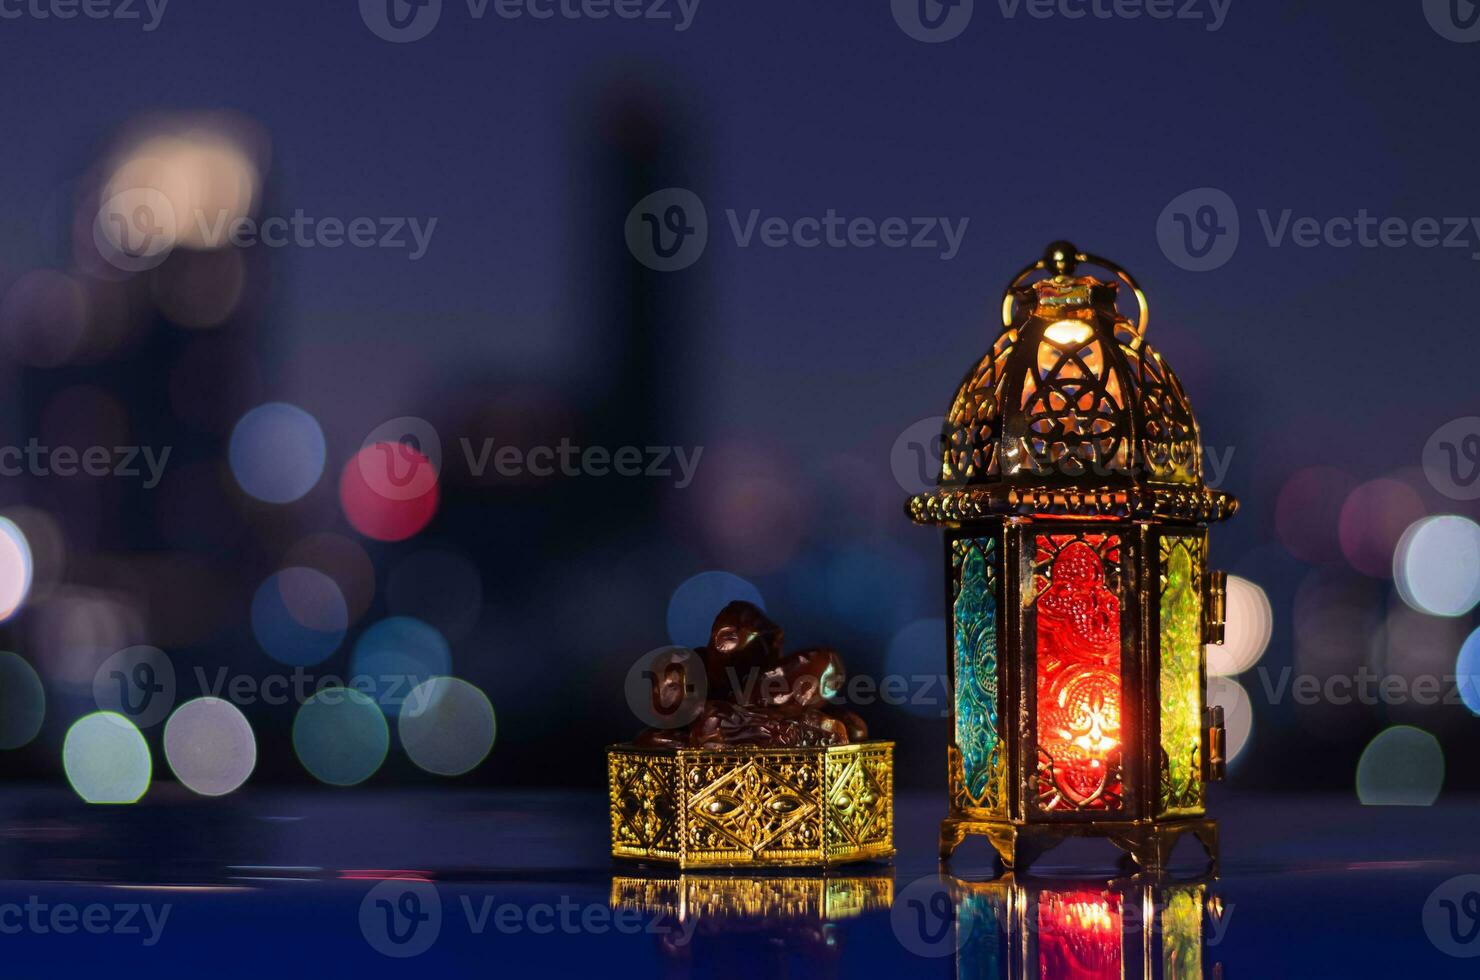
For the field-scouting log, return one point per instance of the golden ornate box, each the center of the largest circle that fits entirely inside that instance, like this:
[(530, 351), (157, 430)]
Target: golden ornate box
[(748, 807)]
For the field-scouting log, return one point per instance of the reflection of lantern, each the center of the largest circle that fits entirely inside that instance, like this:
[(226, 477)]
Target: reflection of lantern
[(1075, 512), (1096, 930)]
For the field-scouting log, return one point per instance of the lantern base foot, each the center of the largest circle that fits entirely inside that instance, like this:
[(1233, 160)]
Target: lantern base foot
[(1148, 846)]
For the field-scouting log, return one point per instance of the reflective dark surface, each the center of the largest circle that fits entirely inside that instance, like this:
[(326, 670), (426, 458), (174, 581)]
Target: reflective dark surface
[(511, 884)]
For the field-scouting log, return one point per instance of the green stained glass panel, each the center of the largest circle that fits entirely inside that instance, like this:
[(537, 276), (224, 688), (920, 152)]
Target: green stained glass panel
[(1181, 674)]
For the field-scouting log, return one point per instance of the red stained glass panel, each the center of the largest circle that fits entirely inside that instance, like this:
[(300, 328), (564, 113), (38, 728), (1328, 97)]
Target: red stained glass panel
[(1078, 665), (1079, 936)]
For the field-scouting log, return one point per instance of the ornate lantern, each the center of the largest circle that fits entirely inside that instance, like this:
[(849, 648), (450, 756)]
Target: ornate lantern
[(1075, 515)]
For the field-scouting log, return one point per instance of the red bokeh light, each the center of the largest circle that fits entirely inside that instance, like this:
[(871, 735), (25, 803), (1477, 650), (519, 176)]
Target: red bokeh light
[(372, 491)]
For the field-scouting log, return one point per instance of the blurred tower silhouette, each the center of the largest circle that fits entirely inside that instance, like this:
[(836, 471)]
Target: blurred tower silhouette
[(535, 539)]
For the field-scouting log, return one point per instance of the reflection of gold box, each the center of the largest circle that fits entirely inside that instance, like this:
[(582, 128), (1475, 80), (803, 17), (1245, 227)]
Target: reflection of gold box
[(753, 807), (785, 896)]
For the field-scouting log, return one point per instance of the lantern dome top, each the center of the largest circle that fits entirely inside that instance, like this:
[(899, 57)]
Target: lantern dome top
[(1070, 413)]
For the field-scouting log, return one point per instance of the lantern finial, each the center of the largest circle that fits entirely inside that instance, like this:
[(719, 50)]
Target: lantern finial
[(1062, 257)]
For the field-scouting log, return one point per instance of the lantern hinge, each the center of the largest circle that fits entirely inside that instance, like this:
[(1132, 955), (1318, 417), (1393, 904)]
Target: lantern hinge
[(1215, 606), (1215, 756)]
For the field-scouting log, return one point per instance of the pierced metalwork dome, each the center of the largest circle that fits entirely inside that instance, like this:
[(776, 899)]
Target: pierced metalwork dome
[(1071, 413)]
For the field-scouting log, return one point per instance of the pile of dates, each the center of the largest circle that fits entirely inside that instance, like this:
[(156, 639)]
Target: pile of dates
[(741, 689)]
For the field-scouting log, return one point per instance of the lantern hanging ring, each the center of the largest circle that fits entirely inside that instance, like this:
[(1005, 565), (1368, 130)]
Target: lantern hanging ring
[(1063, 258)]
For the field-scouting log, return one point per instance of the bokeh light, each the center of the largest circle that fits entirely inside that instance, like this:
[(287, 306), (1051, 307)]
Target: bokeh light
[(394, 656), (1467, 672), (340, 736), (299, 616), (75, 630), (106, 759), (1307, 511), (1250, 621), (203, 169), (15, 568), (46, 545), (209, 746), (367, 491), (277, 452), (1238, 712), (915, 667), (342, 559), (695, 603), (1372, 520), (1402, 766), (750, 509), (440, 588), (1436, 565), (22, 701), (447, 726), (43, 318)]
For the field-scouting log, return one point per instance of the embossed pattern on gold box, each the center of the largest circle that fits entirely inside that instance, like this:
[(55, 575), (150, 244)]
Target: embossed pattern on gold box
[(753, 807)]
